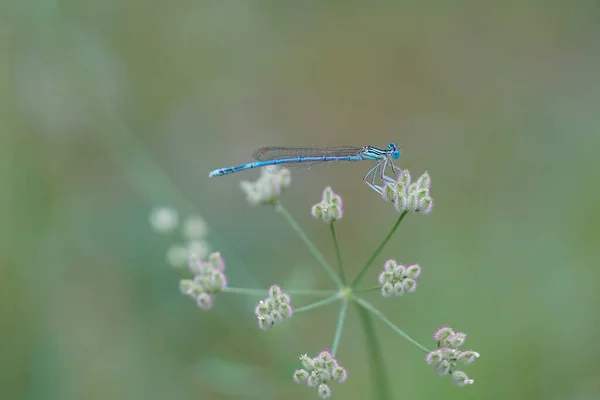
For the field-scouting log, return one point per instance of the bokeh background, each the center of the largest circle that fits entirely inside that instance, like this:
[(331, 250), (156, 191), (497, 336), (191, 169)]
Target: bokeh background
[(112, 108)]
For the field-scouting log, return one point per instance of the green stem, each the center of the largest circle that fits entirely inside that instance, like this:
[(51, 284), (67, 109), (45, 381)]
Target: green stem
[(338, 254), (381, 383), (265, 292), (367, 290), (339, 327), (311, 247), (367, 306), (376, 253), (317, 304)]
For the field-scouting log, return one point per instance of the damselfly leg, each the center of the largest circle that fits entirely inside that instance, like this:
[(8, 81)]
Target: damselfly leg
[(372, 174), (371, 183), (386, 179)]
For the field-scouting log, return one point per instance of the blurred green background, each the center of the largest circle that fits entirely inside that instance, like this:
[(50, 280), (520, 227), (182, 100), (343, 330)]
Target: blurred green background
[(112, 108)]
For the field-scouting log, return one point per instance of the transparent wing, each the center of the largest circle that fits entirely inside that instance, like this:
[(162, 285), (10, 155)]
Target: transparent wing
[(305, 165), (275, 153)]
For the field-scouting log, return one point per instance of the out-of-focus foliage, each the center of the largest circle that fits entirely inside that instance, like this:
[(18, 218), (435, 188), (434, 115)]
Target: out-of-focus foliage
[(110, 108)]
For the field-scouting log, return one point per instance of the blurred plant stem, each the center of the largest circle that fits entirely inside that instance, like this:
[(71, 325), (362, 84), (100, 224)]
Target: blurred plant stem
[(149, 179), (380, 381)]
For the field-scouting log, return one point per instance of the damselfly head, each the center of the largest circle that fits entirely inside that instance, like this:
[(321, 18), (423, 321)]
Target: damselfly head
[(394, 151)]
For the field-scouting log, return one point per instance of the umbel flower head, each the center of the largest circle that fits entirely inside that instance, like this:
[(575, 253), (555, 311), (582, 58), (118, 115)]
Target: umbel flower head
[(330, 208), (268, 187), (209, 279), (447, 355), (274, 309), (407, 195), (317, 372), (397, 279)]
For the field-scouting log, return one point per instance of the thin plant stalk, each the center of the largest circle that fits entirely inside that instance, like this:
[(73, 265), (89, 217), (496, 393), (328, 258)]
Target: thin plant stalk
[(265, 292), (368, 290), (338, 254), (367, 306), (362, 273), (317, 304)]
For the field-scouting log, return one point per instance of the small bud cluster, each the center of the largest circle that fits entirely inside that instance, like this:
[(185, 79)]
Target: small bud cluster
[(267, 188), (396, 279), (193, 231), (447, 355), (319, 371), (330, 208), (209, 279), (408, 196), (274, 309)]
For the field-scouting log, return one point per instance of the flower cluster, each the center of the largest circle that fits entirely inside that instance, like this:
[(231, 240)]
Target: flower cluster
[(330, 208), (447, 355), (274, 309), (267, 188), (397, 278), (193, 231), (319, 371), (408, 196), (209, 279)]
